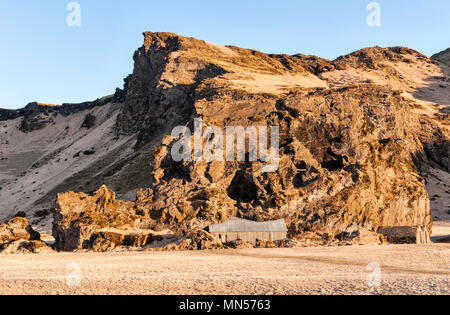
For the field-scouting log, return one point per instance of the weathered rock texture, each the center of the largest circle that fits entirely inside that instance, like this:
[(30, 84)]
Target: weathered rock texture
[(347, 153), (95, 222), (443, 56), (17, 236), (406, 234), (353, 141), (358, 135), (24, 247)]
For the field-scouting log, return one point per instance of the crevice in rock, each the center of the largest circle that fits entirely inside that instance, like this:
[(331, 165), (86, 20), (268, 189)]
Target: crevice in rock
[(242, 188), (332, 161)]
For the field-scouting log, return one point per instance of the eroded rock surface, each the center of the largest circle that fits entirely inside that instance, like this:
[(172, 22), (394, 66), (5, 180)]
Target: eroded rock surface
[(97, 222), (357, 137), (24, 247), (443, 56), (17, 229), (18, 237)]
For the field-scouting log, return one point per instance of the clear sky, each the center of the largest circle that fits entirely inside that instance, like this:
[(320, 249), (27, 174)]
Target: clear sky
[(43, 59)]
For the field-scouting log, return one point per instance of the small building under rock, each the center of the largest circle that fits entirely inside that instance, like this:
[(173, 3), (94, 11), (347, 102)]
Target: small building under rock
[(250, 231)]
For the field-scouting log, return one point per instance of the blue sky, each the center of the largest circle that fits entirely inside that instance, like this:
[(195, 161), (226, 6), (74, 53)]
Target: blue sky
[(43, 59)]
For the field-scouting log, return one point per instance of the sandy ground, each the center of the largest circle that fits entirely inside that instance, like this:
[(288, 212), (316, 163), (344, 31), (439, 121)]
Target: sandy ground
[(408, 269)]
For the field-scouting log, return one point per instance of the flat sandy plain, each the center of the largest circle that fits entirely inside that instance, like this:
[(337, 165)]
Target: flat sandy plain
[(404, 269)]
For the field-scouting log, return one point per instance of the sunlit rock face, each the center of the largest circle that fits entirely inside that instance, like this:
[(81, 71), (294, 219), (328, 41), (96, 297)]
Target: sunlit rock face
[(357, 136)]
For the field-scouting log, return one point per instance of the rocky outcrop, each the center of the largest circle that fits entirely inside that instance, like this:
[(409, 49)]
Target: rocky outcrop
[(346, 159), (376, 57), (349, 155), (24, 247), (101, 223), (17, 237), (17, 229), (35, 122)]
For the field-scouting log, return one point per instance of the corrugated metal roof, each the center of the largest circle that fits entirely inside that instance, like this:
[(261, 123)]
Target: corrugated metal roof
[(241, 225)]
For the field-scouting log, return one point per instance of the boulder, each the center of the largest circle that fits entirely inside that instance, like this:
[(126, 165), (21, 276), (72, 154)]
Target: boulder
[(406, 234), (24, 247), (18, 236)]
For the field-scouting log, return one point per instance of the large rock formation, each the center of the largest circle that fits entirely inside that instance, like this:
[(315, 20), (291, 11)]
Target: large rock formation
[(352, 143), (45, 150), (101, 223)]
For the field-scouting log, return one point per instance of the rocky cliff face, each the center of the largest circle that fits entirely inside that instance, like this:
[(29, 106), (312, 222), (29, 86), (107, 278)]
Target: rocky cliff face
[(358, 136), (352, 141)]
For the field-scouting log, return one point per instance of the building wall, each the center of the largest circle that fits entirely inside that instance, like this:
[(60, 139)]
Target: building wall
[(250, 236)]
